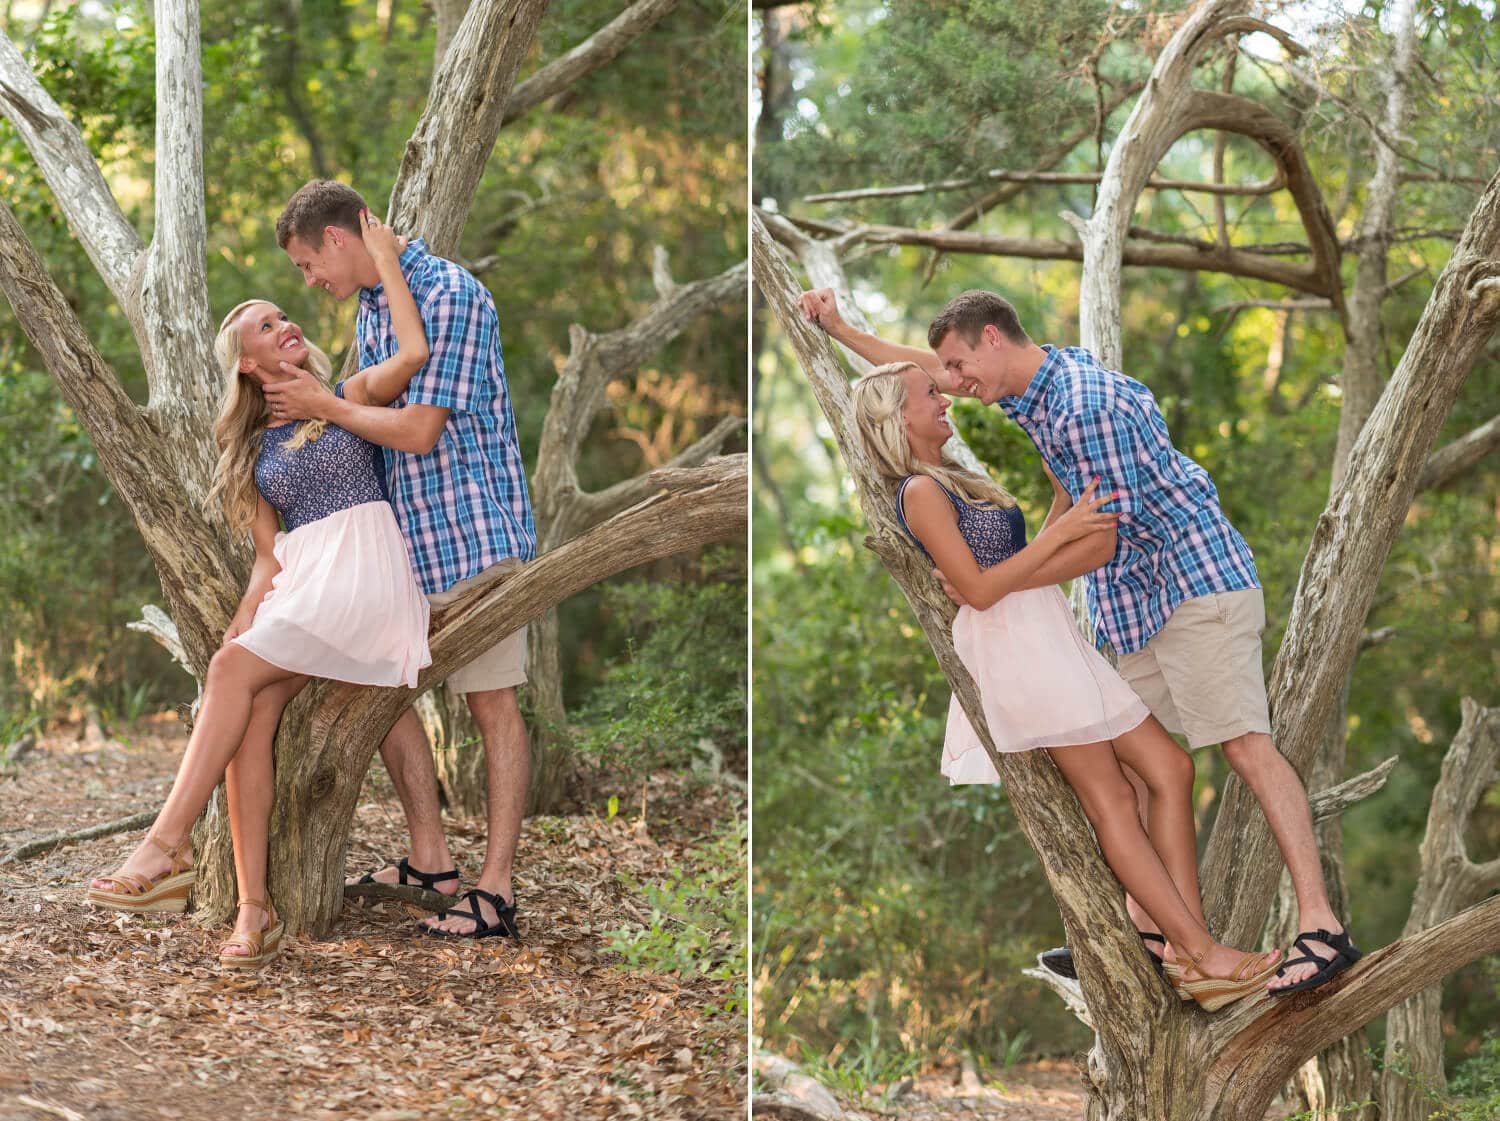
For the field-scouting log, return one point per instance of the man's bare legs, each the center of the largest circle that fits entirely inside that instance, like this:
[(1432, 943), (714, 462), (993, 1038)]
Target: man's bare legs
[(507, 752), (235, 676), (1283, 798), (249, 786), (408, 759)]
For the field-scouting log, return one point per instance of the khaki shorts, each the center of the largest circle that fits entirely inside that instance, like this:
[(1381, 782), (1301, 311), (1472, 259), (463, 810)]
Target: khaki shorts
[(502, 666), (1200, 675)]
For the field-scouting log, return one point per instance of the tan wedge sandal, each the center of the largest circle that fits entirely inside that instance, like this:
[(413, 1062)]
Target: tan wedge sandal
[(1213, 993), (263, 945), (137, 894)]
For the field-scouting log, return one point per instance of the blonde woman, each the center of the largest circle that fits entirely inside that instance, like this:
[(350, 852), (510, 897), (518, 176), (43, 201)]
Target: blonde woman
[(1042, 686), (331, 594)]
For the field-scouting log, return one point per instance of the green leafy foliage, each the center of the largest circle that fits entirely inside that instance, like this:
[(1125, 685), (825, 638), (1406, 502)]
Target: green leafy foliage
[(1475, 1088), (677, 696), (697, 922)]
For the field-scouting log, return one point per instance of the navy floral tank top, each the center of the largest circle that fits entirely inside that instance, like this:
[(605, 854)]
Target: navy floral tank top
[(332, 473), (993, 533)]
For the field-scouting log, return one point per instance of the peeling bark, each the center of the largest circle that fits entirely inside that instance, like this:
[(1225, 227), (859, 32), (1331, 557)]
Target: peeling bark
[(452, 142)]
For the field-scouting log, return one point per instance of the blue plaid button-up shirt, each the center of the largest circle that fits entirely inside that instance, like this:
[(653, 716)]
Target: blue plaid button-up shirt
[(464, 505), (1174, 541)]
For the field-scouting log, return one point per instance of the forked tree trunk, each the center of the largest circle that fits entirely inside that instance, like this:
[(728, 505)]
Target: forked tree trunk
[(564, 508), (1152, 1056), (158, 458)]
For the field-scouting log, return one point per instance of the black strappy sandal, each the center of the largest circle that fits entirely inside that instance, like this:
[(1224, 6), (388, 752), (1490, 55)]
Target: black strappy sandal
[(1345, 954), (504, 925), (1060, 960), (407, 876)]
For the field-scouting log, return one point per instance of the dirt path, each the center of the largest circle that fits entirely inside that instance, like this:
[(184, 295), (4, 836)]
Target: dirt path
[(116, 1018)]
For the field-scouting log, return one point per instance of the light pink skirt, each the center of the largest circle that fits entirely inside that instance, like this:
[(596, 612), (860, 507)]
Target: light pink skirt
[(345, 604), (1040, 683)]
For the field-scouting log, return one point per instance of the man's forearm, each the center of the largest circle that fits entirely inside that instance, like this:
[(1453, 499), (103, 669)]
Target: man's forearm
[(399, 429)]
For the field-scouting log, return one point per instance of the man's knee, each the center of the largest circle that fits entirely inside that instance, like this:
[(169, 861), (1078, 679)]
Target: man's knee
[(493, 704), (406, 733), (1251, 753)]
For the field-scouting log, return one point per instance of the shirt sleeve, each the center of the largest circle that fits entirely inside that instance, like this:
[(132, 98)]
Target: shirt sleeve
[(456, 340), (1099, 443)]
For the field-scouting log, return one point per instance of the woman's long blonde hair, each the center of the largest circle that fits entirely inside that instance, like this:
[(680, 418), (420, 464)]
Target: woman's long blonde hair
[(879, 404), (242, 419)]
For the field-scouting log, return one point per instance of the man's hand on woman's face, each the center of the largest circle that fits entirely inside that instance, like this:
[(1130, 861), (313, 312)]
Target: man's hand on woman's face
[(300, 397)]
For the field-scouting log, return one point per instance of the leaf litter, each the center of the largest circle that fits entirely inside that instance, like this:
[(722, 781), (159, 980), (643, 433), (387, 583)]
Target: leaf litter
[(118, 1018)]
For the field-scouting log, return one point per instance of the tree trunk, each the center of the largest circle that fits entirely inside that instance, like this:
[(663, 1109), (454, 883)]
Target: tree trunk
[(564, 508), (458, 754), (1449, 881)]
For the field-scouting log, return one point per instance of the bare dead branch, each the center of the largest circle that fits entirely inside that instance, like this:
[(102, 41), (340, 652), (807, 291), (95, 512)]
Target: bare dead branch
[(1336, 799), (53, 840), (1454, 459), (598, 50), (1043, 178), (69, 168), (1348, 551)]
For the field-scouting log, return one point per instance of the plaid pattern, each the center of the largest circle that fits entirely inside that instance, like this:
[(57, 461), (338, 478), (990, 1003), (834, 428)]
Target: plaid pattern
[(463, 506), (1174, 541)]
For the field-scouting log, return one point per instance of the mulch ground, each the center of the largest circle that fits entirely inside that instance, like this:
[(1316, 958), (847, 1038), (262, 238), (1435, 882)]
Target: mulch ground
[(115, 1018)]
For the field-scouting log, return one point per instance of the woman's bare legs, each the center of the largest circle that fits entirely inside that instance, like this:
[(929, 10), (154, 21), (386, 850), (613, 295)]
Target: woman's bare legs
[(1109, 802), (234, 678), (249, 785), (1161, 775)]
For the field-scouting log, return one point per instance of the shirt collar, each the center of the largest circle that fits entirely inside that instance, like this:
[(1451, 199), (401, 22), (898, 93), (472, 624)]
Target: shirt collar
[(415, 250), (1029, 402)]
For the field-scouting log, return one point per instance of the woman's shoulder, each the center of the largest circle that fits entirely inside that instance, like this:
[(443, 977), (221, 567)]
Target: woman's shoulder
[(920, 488)]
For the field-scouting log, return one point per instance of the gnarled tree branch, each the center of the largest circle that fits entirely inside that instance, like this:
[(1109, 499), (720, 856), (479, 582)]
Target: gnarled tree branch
[(599, 49), (69, 168)]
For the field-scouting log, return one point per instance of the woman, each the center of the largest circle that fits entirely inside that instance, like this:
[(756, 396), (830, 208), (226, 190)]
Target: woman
[(1041, 685), (331, 596)]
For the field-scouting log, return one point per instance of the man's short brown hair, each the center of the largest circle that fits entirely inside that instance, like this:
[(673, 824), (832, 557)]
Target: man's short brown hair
[(315, 206), (970, 312)]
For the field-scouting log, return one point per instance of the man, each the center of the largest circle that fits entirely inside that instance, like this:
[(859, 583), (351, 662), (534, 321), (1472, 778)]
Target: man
[(457, 485), (1178, 598)]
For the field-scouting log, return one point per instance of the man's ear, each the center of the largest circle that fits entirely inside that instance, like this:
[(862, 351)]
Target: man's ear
[(334, 234)]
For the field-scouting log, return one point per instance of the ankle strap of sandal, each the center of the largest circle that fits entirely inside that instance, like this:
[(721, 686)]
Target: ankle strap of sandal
[(261, 903), (174, 852)]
